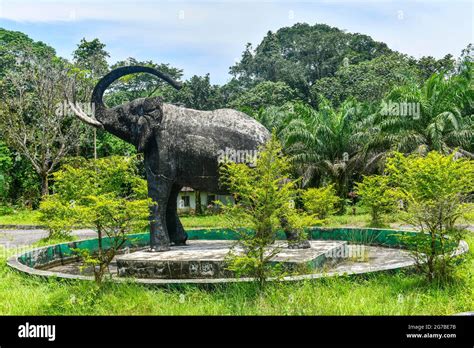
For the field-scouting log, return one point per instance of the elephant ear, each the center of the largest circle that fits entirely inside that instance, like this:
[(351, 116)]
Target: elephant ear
[(150, 111), (145, 133)]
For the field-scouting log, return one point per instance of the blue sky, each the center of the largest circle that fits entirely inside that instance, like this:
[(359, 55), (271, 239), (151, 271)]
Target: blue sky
[(209, 36)]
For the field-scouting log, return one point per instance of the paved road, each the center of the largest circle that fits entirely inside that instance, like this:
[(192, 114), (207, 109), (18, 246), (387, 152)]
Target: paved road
[(18, 238)]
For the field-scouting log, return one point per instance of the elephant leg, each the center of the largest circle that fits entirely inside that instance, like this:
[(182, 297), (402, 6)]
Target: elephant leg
[(159, 188), (294, 240), (175, 229), (159, 237)]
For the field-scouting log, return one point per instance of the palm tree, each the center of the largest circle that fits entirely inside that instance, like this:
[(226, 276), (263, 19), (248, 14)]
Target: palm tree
[(325, 145), (441, 123)]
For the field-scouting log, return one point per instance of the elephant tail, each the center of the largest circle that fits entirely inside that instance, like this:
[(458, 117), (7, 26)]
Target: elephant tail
[(107, 80)]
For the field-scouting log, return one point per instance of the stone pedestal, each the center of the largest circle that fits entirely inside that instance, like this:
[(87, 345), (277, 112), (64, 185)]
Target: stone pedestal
[(206, 259)]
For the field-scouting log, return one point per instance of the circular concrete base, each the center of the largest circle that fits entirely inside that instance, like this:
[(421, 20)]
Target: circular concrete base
[(208, 259), (202, 260), (358, 259)]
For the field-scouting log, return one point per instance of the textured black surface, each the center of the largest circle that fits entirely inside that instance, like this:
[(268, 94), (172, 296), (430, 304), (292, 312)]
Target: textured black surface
[(181, 147)]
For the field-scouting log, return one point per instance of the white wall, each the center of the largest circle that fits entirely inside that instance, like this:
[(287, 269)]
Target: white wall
[(192, 199)]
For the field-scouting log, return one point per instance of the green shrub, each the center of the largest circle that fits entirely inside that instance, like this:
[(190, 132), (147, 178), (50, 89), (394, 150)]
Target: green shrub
[(59, 216), (434, 189), (107, 194), (321, 201), (264, 198), (377, 196)]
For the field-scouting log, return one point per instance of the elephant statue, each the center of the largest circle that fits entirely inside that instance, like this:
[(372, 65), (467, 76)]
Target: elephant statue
[(180, 146)]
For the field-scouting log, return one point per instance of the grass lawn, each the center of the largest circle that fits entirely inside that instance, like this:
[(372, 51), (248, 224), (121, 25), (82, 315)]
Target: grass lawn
[(361, 219), (31, 217), (21, 217)]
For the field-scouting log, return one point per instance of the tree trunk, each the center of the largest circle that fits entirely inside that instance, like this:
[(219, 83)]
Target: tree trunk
[(95, 144), (341, 191), (44, 184), (198, 210)]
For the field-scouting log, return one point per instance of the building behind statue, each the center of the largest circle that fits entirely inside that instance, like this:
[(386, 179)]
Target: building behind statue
[(186, 201)]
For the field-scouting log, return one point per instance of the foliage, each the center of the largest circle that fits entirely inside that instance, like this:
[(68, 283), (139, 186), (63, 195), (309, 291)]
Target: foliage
[(302, 54), (92, 56), (143, 85), (198, 93), (25, 190), (434, 189), (378, 196), (264, 197), (30, 120), (14, 46), (429, 65), (110, 145), (6, 163), (106, 194), (265, 94), (320, 201), (277, 118), (431, 117), (326, 144), (367, 81)]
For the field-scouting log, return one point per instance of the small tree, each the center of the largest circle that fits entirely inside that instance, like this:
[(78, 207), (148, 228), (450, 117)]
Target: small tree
[(376, 194), (321, 201), (264, 198), (30, 120), (114, 218), (434, 189), (106, 194)]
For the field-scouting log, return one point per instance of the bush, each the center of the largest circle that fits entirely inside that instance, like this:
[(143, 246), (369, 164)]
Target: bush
[(107, 194), (264, 198), (59, 216), (321, 201), (434, 189), (376, 194)]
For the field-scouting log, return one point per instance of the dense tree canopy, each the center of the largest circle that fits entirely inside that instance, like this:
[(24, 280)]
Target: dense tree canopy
[(339, 102), (266, 93), (368, 81), (302, 54), (141, 85), (16, 46)]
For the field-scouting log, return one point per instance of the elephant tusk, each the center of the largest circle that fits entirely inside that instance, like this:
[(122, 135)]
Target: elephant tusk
[(83, 116)]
